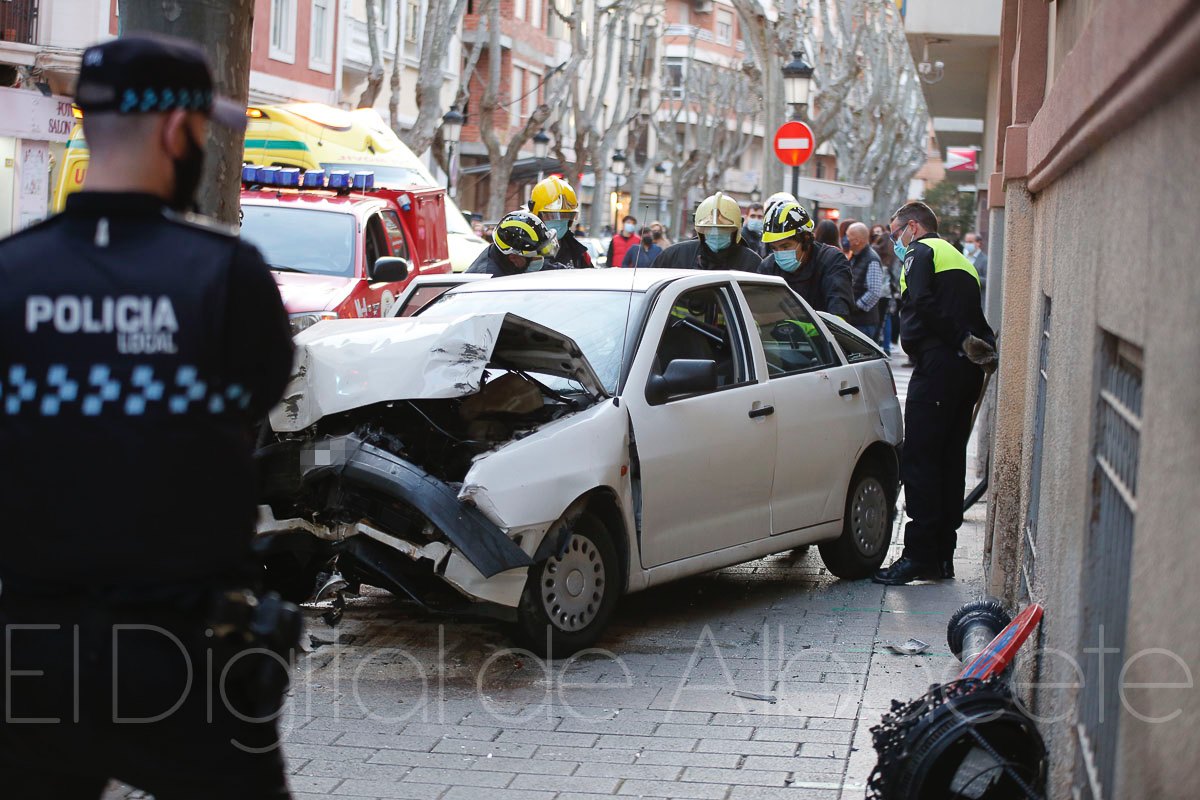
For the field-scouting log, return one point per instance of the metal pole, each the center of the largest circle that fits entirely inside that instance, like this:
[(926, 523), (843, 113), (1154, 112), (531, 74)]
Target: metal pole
[(450, 172), (795, 180)]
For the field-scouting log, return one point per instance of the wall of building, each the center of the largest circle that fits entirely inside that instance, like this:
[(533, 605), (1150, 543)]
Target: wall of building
[(1097, 216)]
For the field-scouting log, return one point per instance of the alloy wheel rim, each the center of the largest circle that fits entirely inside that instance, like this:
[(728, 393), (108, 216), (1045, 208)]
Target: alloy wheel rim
[(868, 516), (573, 585)]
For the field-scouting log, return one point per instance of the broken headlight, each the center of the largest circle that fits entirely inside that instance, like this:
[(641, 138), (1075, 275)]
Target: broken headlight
[(307, 319)]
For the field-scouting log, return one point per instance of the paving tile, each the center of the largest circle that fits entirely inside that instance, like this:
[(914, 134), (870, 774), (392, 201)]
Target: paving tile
[(673, 789)]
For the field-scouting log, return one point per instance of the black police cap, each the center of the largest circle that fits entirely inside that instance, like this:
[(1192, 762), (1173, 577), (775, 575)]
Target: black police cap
[(144, 73)]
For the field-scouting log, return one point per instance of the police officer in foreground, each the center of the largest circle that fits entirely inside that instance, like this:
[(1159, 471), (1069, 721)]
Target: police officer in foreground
[(943, 329), (717, 245), (817, 272), (521, 243), (554, 202), (139, 347)]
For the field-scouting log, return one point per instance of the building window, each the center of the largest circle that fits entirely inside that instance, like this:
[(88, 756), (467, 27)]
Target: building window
[(724, 27), (1108, 551), (519, 9), (412, 21), (320, 51), (283, 30), (535, 13), (674, 69)]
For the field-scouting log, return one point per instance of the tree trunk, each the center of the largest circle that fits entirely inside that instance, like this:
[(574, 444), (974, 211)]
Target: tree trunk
[(223, 27), (375, 73), (394, 97)]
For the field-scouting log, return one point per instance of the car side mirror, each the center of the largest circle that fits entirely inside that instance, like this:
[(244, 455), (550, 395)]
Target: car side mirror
[(389, 269), (682, 376)]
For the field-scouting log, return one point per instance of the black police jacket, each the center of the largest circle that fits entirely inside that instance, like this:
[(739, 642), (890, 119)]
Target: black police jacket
[(492, 262), (939, 307), (824, 280), (572, 254), (692, 254), (138, 350)]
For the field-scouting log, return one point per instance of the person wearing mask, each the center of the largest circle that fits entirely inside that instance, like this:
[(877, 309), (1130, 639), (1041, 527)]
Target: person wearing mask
[(521, 243), (890, 332), (146, 358), (660, 235), (718, 224), (868, 281), (554, 202), (943, 329), (752, 230), (973, 250), (843, 239), (620, 243), (817, 272), (644, 254), (827, 233)]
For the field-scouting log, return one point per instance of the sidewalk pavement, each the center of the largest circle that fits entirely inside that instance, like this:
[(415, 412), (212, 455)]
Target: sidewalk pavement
[(398, 704)]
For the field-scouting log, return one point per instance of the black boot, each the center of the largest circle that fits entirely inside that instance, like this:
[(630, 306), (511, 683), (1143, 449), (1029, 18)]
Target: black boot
[(904, 570)]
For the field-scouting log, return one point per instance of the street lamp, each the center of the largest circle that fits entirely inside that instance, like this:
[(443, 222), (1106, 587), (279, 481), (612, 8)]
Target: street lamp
[(797, 84), (541, 147), (452, 122), (755, 194), (618, 169)]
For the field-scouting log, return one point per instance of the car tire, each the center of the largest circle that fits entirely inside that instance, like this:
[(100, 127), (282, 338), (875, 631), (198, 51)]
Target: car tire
[(866, 526), (569, 600)]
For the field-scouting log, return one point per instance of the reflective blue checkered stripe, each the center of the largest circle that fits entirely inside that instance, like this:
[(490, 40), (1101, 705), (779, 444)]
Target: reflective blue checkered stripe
[(106, 390)]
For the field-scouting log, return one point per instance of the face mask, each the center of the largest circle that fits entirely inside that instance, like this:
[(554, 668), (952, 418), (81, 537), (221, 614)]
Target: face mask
[(970, 249), (901, 249), (845, 243), (559, 226), (718, 241), (628, 228), (188, 171), (754, 225), (535, 265), (787, 260)]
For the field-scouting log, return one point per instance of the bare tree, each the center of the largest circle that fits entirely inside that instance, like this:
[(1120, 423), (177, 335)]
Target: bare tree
[(441, 21), (223, 26), (375, 73)]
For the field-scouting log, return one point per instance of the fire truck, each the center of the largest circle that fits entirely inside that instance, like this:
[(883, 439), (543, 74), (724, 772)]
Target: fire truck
[(338, 246)]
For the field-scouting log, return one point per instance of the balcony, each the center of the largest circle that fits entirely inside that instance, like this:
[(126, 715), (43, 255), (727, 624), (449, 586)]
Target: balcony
[(18, 21)]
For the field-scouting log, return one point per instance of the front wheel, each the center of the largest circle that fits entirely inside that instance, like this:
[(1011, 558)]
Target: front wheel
[(867, 526), (570, 597)]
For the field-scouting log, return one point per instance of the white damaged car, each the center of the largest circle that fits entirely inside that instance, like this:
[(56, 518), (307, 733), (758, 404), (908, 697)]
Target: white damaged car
[(536, 446)]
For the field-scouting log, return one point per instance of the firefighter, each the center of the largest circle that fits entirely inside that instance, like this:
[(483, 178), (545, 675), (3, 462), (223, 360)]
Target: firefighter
[(141, 346), (817, 272), (521, 243), (717, 245), (554, 202), (943, 330)]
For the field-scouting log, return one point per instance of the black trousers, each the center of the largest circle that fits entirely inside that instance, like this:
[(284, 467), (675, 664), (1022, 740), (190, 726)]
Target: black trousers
[(141, 695), (937, 424)]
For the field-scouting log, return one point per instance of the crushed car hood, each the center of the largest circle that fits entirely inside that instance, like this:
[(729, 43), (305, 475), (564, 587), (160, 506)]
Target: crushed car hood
[(346, 364)]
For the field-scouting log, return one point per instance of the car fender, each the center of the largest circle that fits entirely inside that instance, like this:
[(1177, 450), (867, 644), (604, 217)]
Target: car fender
[(528, 484)]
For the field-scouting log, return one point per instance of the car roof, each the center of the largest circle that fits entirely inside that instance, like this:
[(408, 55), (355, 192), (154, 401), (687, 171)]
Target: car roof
[(610, 280)]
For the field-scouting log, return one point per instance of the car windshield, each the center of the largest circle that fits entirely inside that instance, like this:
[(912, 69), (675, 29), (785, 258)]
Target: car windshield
[(595, 320), (301, 239), (394, 177)]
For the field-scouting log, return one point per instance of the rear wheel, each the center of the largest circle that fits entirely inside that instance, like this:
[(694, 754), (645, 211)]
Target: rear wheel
[(570, 597), (867, 525)]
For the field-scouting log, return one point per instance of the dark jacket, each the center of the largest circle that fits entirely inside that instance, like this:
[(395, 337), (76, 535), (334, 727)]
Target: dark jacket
[(753, 241), (823, 279), (692, 254), (641, 256), (572, 254), (860, 265), (146, 346), (492, 262), (939, 308)]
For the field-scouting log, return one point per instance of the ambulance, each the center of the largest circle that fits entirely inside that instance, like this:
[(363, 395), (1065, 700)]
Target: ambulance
[(314, 136)]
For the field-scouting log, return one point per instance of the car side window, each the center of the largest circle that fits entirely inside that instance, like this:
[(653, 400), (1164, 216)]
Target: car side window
[(703, 325), (854, 347), (791, 340), (395, 234)]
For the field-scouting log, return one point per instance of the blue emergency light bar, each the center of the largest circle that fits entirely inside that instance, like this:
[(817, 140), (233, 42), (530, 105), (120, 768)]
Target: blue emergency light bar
[(364, 180), (268, 176), (249, 173), (289, 176), (314, 179), (339, 179)]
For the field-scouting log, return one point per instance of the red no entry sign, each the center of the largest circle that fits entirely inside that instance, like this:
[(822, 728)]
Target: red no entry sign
[(793, 143)]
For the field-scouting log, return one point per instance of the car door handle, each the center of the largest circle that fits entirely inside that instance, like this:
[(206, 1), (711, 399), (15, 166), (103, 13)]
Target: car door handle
[(848, 390), (762, 411)]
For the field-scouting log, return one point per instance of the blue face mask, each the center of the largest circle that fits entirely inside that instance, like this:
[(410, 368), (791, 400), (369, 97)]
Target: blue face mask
[(718, 241), (628, 228), (787, 260), (901, 249), (559, 226), (535, 265), (755, 225)]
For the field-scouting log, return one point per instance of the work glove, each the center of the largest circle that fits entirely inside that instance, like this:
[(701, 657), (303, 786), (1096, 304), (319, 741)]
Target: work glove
[(980, 353)]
